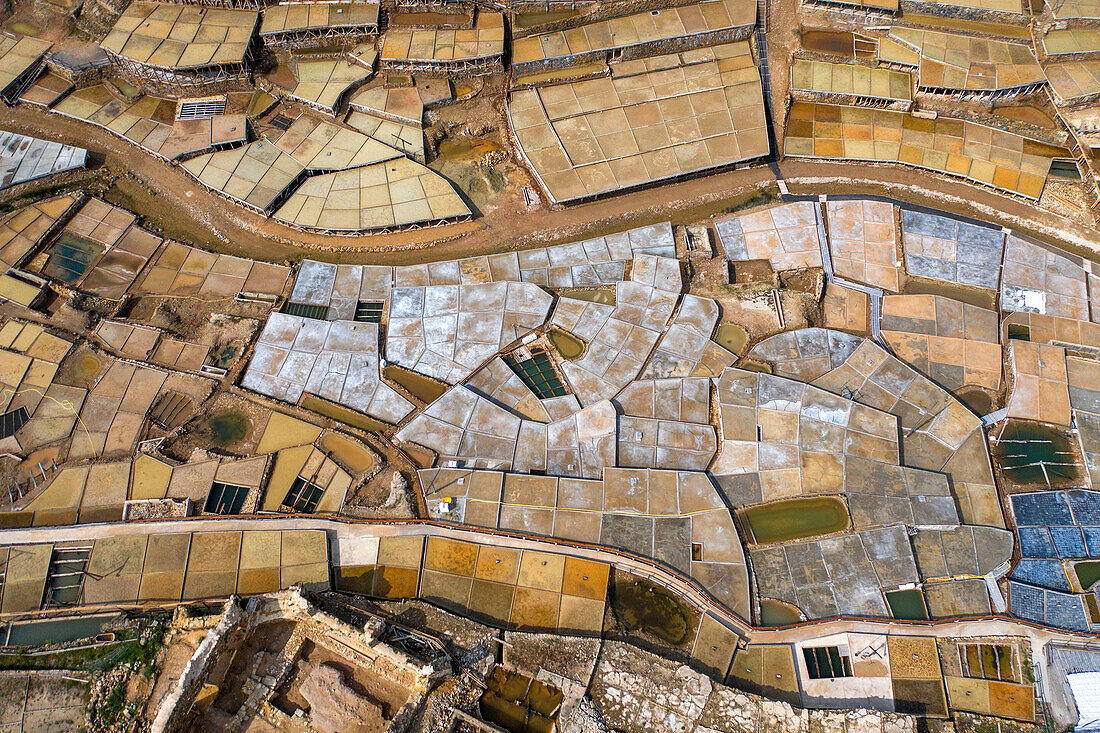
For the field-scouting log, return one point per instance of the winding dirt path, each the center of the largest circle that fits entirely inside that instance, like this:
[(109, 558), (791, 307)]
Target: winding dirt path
[(172, 199)]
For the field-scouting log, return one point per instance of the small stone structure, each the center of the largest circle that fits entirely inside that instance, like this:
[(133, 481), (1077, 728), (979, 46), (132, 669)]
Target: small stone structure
[(177, 703), (359, 647), (155, 509)]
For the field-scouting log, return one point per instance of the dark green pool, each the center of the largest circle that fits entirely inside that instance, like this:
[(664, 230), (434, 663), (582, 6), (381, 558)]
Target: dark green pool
[(226, 428), (642, 606), (907, 605), (795, 519), (56, 631), (1029, 453), (1088, 573)]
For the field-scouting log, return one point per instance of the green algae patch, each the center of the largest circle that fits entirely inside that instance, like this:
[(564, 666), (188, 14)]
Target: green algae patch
[(795, 519), (731, 337)]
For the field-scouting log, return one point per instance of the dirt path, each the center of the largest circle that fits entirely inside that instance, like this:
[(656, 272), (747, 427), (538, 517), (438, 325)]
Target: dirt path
[(783, 28), (170, 198)]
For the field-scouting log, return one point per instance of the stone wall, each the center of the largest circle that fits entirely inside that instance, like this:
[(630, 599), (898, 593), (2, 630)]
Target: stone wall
[(173, 710), (97, 16), (362, 648), (259, 688), (236, 81), (79, 75), (266, 675)]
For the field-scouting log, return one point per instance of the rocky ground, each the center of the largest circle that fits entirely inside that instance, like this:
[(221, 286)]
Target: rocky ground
[(615, 687)]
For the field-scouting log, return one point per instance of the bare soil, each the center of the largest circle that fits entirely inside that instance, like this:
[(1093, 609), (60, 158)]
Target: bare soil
[(389, 695), (82, 368), (171, 662), (368, 499), (753, 271), (191, 318), (42, 703), (464, 636), (572, 657), (750, 304), (195, 433)]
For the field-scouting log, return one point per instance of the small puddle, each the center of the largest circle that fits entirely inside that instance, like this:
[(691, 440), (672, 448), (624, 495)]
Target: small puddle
[(126, 87), (835, 43), (1029, 453), (85, 367), (603, 296), (1028, 114), (425, 389), (225, 429), (26, 467), (731, 336), (260, 102), (569, 346), (282, 76), (795, 519), (907, 605), (1094, 609), (470, 150), (463, 89), (979, 402), (24, 28), (755, 365), (775, 613), (342, 414), (520, 704), (642, 606)]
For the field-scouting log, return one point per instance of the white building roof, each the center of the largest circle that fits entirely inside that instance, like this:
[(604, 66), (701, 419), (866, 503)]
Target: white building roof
[(1086, 694)]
